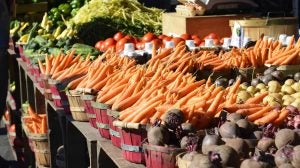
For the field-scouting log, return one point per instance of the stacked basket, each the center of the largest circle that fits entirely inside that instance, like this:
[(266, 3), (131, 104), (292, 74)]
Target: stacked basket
[(77, 105)]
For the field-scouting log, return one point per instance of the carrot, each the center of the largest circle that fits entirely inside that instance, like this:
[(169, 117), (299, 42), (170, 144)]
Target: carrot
[(44, 126), (268, 118), (41, 66), (150, 109), (235, 86), (184, 91), (112, 93), (235, 107), (290, 58), (48, 65), (214, 105), (256, 99), (73, 84), (259, 113), (282, 116), (248, 111)]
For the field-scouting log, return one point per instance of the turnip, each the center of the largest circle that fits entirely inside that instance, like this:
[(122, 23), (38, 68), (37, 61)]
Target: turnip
[(229, 130), (284, 137)]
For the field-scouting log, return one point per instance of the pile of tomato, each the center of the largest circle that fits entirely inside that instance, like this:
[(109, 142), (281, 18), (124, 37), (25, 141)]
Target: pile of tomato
[(118, 41)]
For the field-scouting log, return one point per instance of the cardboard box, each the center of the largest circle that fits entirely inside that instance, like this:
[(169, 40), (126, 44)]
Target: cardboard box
[(200, 25)]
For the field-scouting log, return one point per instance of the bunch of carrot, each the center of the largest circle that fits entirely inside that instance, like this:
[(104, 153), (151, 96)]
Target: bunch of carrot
[(35, 123), (260, 114), (101, 71)]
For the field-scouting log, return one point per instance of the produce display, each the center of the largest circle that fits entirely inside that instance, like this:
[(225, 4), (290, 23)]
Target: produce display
[(193, 106)]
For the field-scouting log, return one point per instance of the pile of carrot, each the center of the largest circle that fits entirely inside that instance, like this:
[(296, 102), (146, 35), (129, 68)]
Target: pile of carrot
[(264, 52), (35, 123)]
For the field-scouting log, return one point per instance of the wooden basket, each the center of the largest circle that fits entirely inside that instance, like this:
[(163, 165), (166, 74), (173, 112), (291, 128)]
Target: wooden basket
[(59, 96), (76, 106), (114, 131), (160, 156), (41, 148), (47, 93), (87, 103), (132, 138), (182, 163), (100, 110)]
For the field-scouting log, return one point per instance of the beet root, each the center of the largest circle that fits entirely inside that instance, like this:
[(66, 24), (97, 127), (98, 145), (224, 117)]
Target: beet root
[(158, 135), (229, 130), (284, 137), (250, 163)]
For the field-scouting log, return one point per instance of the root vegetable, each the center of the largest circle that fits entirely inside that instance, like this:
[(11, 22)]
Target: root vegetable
[(239, 145), (284, 155), (296, 156), (286, 165), (265, 143), (229, 130), (250, 163), (158, 135), (284, 137), (234, 117), (289, 82), (229, 157), (296, 86), (260, 86), (274, 86)]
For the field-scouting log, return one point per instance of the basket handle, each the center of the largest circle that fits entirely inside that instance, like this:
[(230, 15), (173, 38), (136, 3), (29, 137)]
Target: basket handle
[(127, 125)]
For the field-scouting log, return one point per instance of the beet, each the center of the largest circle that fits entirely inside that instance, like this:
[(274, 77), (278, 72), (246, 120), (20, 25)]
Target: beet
[(173, 118), (250, 163), (229, 157), (231, 82), (255, 81), (229, 130), (189, 156), (158, 135), (296, 156), (267, 78), (200, 160), (284, 137), (269, 70), (190, 142), (187, 128), (245, 128), (278, 75), (284, 155), (221, 82), (297, 76), (239, 145), (286, 165), (209, 140), (265, 143), (234, 117), (257, 135)]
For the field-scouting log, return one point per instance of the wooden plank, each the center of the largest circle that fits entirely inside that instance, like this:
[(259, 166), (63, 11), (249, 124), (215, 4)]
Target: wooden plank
[(200, 25), (115, 155), (34, 7), (57, 109)]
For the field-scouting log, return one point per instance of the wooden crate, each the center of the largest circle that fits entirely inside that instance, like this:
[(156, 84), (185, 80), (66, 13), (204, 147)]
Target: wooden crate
[(200, 25)]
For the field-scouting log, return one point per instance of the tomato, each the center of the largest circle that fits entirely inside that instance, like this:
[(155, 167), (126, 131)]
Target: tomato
[(216, 42), (176, 40), (197, 41), (186, 36), (12, 128), (157, 42), (129, 38), (140, 45), (162, 36), (167, 38), (148, 37), (118, 36), (195, 36), (99, 44), (212, 36), (108, 42)]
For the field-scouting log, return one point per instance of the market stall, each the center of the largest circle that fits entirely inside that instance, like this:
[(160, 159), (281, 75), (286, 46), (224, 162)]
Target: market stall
[(117, 84)]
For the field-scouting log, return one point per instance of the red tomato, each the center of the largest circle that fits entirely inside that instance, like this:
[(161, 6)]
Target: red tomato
[(216, 42), (162, 36), (202, 44), (99, 44), (118, 36), (148, 37), (176, 40), (212, 36), (197, 41), (109, 42), (195, 36), (157, 42), (140, 45), (167, 38), (129, 38), (186, 36)]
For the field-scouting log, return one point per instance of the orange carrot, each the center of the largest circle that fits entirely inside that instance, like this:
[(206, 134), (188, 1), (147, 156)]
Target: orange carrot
[(259, 113), (282, 116), (256, 99), (268, 118), (215, 104), (248, 111), (235, 107)]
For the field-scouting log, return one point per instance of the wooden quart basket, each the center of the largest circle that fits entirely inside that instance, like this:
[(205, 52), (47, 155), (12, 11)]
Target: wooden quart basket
[(132, 138), (76, 106), (100, 109), (87, 103), (41, 148), (160, 156), (114, 131)]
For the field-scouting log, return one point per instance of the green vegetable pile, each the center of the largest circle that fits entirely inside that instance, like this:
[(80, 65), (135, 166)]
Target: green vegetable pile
[(128, 16)]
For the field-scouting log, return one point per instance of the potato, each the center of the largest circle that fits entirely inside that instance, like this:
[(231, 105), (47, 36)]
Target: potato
[(243, 96), (260, 86), (289, 82), (263, 90), (288, 97), (252, 89), (287, 102), (277, 96), (244, 87), (274, 86), (296, 95), (274, 103), (296, 86), (297, 100), (287, 89), (296, 104)]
